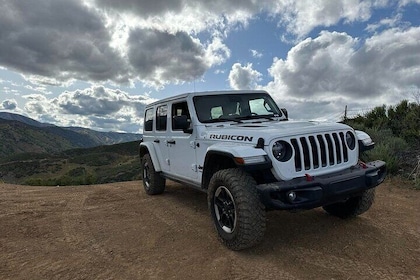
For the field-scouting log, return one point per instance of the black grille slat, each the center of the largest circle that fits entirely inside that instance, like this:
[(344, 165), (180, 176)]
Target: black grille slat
[(298, 160), (330, 149), (322, 144), (319, 151), (338, 148), (315, 151), (345, 152), (306, 153)]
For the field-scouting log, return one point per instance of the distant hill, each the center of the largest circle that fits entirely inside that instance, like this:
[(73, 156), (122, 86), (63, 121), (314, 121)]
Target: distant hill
[(20, 134), (22, 119), (83, 166), (106, 138)]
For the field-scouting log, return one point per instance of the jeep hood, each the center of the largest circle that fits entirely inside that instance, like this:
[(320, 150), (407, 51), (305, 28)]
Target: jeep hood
[(249, 132)]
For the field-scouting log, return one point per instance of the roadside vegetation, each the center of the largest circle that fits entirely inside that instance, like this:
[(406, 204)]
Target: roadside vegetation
[(396, 132)]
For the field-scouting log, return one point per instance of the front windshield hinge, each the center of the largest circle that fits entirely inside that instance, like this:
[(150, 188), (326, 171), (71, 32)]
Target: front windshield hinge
[(260, 143)]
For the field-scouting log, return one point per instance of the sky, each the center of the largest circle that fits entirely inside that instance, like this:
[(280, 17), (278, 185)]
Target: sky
[(98, 63)]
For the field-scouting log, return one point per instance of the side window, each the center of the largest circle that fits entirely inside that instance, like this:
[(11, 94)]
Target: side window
[(179, 109), (148, 120), (161, 116)]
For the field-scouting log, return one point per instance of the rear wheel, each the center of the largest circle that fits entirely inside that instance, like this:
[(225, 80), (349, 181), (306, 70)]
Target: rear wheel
[(353, 206), (237, 212), (153, 183)]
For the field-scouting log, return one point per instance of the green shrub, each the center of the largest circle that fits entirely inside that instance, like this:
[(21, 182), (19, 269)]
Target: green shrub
[(66, 180), (388, 148), (78, 171)]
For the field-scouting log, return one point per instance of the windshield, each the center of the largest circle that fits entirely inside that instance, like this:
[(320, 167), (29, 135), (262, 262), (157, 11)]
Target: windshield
[(235, 107)]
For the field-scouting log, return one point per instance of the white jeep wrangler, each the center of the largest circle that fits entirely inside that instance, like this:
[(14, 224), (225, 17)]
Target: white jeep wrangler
[(241, 149)]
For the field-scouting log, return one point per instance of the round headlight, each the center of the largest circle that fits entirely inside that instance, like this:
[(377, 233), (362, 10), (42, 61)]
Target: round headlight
[(282, 151), (350, 140)]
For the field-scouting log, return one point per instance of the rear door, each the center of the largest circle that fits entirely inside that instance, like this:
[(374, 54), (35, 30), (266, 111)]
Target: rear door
[(161, 135)]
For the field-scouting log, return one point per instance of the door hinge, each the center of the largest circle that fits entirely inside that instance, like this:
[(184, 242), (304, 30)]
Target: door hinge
[(193, 144)]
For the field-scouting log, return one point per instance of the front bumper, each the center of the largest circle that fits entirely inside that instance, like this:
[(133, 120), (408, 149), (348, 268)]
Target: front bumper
[(311, 192)]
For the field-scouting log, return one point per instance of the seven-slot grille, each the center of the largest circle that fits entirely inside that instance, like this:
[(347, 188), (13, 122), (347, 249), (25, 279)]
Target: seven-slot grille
[(320, 150)]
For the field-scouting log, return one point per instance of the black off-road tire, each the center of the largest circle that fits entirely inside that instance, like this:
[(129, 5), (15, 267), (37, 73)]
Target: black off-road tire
[(353, 206), (237, 212), (153, 183)]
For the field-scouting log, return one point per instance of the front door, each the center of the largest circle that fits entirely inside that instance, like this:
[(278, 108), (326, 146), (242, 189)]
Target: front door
[(182, 150)]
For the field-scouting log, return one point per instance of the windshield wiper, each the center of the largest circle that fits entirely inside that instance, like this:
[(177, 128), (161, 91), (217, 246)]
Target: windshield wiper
[(253, 117), (223, 120)]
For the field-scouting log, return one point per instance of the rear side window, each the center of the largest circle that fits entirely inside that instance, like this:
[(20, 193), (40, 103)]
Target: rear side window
[(148, 120), (161, 117)]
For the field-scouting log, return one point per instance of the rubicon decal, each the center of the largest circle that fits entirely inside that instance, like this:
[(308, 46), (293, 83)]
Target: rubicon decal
[(231, 137)]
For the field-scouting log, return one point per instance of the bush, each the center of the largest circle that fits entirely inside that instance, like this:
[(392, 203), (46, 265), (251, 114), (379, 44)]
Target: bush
[(66, 180), (95, 159), (396, 132), (78, 171), (389, 149)]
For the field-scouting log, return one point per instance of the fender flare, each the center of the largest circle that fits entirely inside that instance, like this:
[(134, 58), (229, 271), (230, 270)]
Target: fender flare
[(235, 150), (149, 148)]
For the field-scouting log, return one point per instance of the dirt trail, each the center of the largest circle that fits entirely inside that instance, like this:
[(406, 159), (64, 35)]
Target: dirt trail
[(115, 231)]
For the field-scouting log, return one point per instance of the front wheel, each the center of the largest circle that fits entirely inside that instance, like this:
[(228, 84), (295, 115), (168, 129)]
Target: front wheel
[(153, 183), (237, 212), (353, 206)]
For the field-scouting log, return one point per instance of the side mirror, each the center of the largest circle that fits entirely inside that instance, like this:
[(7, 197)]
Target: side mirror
[(284, 111), (181, 123)]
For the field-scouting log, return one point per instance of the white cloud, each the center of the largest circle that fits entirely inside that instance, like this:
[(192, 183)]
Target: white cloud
[(243, 77), (181, 15), (385, 23), (217, 52), (160, 57), (402, 3), (338, 69), (120, 41), (96, 107), (314, 66), (8, 104), (300, 17), (78, 41), (256, 53)]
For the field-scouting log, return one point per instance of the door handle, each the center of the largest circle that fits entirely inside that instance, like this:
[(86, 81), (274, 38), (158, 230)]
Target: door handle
[(171, 142), (156, 141)]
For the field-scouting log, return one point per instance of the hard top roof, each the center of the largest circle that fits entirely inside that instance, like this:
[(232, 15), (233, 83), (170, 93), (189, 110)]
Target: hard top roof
[(203, 93)]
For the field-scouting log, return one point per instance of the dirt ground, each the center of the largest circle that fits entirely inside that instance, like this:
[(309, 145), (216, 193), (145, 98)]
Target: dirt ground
[(116, 231)]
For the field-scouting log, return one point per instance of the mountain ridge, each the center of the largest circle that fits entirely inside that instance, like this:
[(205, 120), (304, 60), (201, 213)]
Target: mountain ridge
[(20, 134)]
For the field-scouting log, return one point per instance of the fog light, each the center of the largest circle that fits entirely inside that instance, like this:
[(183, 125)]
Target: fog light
[(291, 196)]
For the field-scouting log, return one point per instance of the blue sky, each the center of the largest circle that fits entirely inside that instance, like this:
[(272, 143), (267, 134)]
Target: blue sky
[(97, 63)]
